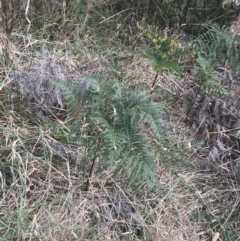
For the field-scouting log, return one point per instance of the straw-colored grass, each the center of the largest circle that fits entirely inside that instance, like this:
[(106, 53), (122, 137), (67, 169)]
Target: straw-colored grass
[(42, 195)]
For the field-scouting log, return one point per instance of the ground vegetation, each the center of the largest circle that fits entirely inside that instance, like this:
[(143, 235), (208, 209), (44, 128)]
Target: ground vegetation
[(119, 120)]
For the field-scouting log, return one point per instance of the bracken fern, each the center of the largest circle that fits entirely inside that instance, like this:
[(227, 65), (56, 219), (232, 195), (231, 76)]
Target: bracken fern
[(220, 46), (108, 126)]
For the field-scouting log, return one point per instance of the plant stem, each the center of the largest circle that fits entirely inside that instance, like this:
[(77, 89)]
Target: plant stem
[(90, 174)]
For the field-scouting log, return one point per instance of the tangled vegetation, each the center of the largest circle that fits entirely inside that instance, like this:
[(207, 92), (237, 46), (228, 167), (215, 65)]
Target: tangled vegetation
[(119, 120)]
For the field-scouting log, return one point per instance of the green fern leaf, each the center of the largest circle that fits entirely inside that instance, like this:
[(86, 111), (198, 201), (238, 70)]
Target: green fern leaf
[(108, 126)]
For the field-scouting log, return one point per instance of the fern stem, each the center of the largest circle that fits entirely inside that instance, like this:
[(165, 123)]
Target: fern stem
[(90, 174)]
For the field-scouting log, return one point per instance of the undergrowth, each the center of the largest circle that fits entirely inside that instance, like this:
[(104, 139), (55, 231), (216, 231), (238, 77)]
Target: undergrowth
[(70, 165)]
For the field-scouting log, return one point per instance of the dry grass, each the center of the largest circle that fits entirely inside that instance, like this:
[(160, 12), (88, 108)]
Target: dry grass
[(42, 195)]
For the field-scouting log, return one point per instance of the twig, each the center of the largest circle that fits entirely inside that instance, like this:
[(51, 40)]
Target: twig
[(115, 15), (165, 88), (154, 82), (173, 81)]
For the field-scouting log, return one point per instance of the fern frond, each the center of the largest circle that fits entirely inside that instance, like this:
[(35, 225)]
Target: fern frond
[(204, 70), (108, 127), (207, 77), (219, 45), (159, 63)]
